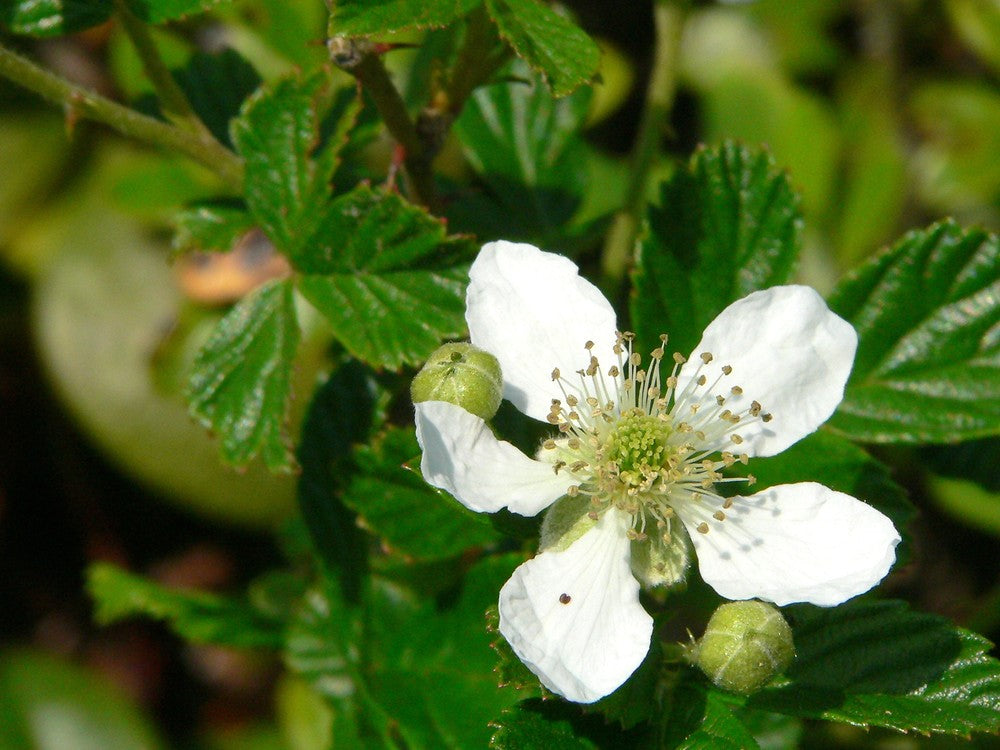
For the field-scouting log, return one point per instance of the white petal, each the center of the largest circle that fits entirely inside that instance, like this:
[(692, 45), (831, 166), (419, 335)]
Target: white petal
[(573, 617), (788, 352), (533, 312), (462, 456), (793, 543)]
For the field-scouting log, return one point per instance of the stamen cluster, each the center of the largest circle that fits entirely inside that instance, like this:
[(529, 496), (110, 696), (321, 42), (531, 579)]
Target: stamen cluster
[(636, 442)]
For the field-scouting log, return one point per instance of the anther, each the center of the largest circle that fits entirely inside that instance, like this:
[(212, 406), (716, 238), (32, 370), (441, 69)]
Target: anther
[(736, 438), (720, 400), (589, 345), (702, 380), (726, 370), (555, 374), (549, 444), (706, 357), (728, 503), (755, 408), (703, 528), (736, 390), (679, 358), (719, 515), (766, 417)]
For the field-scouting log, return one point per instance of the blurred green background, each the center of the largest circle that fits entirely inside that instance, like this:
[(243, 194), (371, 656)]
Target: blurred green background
[(885, 112)]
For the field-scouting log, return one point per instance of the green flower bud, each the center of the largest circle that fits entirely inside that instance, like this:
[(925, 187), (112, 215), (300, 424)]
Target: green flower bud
[(745, 645), (462, 375)]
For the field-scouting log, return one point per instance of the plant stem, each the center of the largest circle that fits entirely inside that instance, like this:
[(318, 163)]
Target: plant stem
[(82, 102), (173, 100), (668, 16), (359, 58)]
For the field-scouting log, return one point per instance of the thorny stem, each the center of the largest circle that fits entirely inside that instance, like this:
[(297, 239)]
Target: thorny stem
[(668, 16), (82, 102), (360, 58)]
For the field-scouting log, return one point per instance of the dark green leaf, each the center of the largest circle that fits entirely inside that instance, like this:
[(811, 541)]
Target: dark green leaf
[(395, 503), (240, 383), (695, 715), (392, 283), (368, 17), (444, 696), (53, 17), (161, 11), (928, 363), (631, 704), (339, 416), (874, 663), (277, 133), (194, 615), (839, 464), (216, 85), (521, 728), (526, 146), (210, 227), (726, 226), (549, 42)]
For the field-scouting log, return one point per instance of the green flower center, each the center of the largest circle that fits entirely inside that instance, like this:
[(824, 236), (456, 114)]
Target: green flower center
[(638, 446)]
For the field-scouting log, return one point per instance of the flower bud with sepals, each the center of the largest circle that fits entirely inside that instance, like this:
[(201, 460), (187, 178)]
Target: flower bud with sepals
[(462, 375)]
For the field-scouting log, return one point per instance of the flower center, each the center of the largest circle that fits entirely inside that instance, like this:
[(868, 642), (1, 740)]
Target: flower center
[(638, 446), (649, 446)]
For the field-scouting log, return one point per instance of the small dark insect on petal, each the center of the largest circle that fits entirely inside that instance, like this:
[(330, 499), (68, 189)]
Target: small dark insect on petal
[(565, 598)]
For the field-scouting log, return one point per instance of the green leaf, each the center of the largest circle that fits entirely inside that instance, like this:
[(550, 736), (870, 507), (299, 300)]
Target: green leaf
[(161, 11), (840, 465), (726, 226), (549, 42), (217, 85), (367, 17), (386, 277), (47, 703), (700, 718), (928, 363), (210, 227), (44, 18), (339, 416), (522, 728), (240, 383), (194, 615), (526, 146), (876, 663), (277, 133), (412, 672), (394, 502)]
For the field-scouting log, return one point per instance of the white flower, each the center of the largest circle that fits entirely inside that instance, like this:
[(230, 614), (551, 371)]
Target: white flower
[(636, 462)]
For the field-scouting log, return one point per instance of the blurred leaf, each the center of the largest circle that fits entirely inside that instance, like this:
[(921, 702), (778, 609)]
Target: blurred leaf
[(800, 32), (277, 133), (726, 226), (45, 18), (194, 615), (375, 17), (926, 311), (876, 183), (526, 146), (840, 465), (392, 283), (161, 11), (50, 704), (521, 728), (978, 23), (968, 502), (340, 416), (955, 164), (872, 663), (395, 503), (773, 731), (975, 459), (210, 227), (240, 383), (305, 718), (699, 717), (413, 673), (549, 42), (216, 85)]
